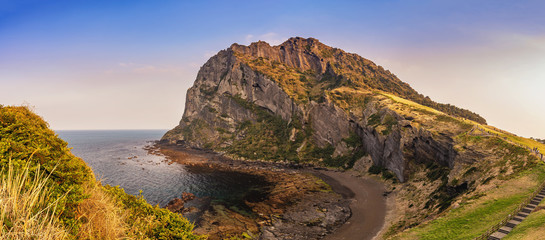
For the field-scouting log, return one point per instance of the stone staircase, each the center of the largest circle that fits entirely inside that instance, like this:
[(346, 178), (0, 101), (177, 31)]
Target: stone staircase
[(522, 214)]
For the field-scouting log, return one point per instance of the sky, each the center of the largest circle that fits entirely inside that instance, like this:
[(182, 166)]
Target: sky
[(127, 64)]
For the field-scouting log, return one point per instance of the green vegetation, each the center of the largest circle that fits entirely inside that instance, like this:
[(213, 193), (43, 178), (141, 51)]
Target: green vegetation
[(387, 123), (448, 119), (147, 222), (208, 91), (474, 216), (26, 139), (272, 138), (48, 193), (385, 173), (350, 99), (193, 129), (267, 138), (374, 120)]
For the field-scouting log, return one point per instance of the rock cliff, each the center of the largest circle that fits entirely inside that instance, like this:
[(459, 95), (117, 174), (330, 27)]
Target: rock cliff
[(294, 95), (305, 102)]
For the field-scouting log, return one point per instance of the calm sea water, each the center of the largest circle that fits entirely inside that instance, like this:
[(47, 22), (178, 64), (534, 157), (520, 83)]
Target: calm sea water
[(118, 157)]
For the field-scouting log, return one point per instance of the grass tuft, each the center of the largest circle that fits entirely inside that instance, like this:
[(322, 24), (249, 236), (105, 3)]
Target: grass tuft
[(26, 208)]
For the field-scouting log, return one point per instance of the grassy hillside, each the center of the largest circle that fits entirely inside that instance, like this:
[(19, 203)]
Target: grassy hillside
[(54, 195), (506, 173), (473, 215)]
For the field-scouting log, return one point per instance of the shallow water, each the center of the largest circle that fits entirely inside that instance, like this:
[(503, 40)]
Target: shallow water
[(118, 157)]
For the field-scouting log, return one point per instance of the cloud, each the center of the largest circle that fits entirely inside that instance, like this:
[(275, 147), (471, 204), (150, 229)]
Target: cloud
[(271, 37)]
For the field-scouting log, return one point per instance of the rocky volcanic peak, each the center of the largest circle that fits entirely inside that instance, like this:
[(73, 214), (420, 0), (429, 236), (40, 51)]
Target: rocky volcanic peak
[(296, 52), (239, 94), (305, 102)]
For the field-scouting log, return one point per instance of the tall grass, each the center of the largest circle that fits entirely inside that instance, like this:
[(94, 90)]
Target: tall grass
[(26, 208), (101, 218)]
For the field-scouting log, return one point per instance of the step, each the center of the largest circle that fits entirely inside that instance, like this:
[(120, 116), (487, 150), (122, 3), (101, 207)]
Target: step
[(497, 235), (493, 238), (511, 225), (526, 210)]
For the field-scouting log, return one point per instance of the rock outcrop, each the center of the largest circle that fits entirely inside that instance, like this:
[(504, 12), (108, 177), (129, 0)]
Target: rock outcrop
[(305, 102), (294, 82)]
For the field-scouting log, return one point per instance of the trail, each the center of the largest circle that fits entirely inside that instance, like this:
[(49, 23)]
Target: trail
[(368, 205)]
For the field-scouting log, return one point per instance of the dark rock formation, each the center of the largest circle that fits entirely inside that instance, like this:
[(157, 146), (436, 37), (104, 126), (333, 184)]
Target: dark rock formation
[(245, 85), (177, 204)]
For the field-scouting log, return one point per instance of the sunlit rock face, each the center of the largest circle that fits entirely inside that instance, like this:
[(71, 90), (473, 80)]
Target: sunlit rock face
[(317, 103)]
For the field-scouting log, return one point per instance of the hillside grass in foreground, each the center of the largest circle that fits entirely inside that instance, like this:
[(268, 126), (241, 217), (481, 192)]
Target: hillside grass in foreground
[(48, 193), (475, 216), (26, 208)]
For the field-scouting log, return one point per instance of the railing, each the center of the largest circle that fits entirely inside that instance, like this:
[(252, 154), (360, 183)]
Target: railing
[(509, 217)]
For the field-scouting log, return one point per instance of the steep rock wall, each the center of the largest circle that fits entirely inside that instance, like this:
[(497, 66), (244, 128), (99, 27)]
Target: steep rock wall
[(218, 104)]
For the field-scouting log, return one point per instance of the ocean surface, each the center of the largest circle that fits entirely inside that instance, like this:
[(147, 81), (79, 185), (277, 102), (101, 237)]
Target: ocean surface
[(118, 157)]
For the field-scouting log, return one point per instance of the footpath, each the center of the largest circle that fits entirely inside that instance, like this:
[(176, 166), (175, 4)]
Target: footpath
[(507, 226)]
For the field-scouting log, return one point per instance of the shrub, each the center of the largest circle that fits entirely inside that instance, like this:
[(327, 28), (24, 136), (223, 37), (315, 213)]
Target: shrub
[(374, 169), (151, 222), (24, 134)]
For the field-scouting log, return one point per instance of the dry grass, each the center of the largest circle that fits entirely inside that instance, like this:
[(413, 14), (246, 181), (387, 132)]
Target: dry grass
[(26, 210), (511, 137), (101, 218), (411, 103)]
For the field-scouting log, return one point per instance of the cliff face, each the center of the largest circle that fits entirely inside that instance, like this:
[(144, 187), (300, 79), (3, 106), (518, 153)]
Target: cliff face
[(305, 102), (300, 86)]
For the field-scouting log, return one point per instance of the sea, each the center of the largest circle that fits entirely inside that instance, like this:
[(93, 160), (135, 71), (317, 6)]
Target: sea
[(119, 158)]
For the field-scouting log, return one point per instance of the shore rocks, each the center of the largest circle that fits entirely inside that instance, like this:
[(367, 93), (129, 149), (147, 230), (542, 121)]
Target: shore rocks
[(177, 204), (299, 204), (312, 218)]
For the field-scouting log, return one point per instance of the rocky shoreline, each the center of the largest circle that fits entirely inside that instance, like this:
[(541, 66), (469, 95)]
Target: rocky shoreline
[(299, 205)]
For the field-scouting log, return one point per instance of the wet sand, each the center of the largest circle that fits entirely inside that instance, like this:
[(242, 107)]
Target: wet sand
[(368, 205)]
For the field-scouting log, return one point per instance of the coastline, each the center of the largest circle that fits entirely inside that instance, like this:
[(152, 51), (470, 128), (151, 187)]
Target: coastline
[(368, 204), (297, 206)]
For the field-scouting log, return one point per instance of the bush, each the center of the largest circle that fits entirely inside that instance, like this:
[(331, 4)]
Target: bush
[(374, 169), (151, 222), (26, 139), (48, 193)]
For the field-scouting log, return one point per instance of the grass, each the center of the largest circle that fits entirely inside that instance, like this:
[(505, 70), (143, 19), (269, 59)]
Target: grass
[(516, 139), (474, 217), (531, 143), (412, 104), (102, 219), (442, 117), (27, 210)]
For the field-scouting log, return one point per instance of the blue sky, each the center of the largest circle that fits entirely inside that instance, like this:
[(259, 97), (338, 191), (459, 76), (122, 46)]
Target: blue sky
[(127, 64)]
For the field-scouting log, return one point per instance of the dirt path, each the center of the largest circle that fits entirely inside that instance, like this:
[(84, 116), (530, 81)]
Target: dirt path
[(368, 205)]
